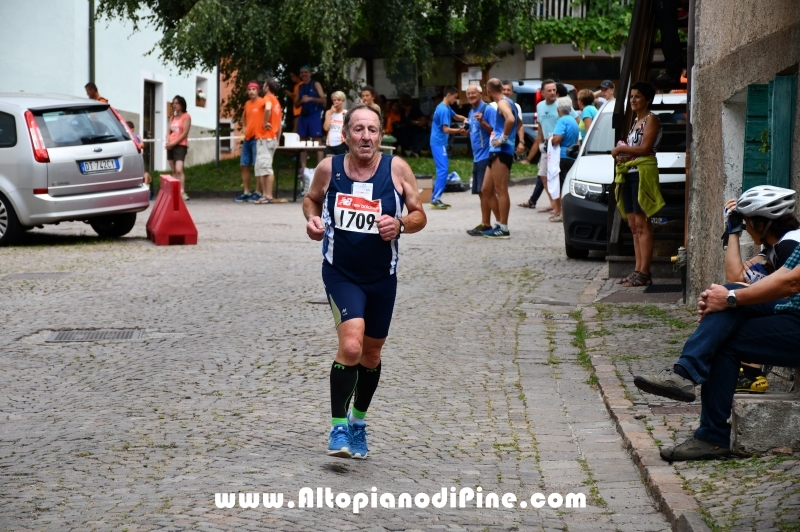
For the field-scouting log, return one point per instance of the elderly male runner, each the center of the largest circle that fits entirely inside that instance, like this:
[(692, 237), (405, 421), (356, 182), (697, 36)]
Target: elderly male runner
[(355, 206)]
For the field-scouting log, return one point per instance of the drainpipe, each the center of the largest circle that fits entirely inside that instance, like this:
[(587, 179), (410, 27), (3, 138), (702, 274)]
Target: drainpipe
[(218, 100), (91, 41), (689, 137)]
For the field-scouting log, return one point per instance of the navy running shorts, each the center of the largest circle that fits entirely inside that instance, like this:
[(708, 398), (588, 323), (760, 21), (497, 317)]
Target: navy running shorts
[(372, 302), (629, 190), (478, 173), (310, 126)]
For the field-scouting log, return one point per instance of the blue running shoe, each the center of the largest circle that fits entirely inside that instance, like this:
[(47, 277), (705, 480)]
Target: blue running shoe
[(241, 198), (497, 232), (255, 196), (339, 441), (358, 439)]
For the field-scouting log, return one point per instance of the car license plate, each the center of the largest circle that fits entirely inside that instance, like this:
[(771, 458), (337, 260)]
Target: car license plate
[(99, 165)]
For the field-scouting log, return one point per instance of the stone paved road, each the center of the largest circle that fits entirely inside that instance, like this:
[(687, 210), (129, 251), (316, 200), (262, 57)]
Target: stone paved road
[(228, 389)]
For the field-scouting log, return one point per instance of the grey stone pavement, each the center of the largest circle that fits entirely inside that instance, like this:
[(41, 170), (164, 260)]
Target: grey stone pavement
[(753, 494), (485, 382)]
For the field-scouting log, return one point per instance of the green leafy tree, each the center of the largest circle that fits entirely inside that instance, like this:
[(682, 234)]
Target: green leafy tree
[(253, 38)]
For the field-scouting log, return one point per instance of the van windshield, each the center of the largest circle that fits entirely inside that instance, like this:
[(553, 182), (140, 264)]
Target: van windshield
[(76, 126), (602, 138)]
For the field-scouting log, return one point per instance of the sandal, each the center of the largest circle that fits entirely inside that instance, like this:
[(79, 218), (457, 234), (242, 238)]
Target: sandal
[(628, 278), (641, 279), (263, 200), (546, 209), (527, 204), (556, 218)]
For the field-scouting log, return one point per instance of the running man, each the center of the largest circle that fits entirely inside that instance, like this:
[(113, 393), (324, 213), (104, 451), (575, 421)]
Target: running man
[(356, 202), (440, 131), (501, 157)]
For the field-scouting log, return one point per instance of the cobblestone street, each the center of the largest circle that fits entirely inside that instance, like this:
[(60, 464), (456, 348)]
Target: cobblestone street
[(227, 390)]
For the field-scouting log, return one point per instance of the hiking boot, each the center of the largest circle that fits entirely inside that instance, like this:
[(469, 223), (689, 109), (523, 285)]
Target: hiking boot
[(478, 231), (667, 383), (694, 449), (746, 384)]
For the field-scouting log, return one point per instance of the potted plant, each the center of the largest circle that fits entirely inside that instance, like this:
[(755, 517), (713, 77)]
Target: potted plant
[(200, 98)]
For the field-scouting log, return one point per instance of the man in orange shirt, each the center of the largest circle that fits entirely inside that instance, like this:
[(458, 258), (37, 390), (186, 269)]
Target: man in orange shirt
[(268, 141), (91, 92), (253, 126)]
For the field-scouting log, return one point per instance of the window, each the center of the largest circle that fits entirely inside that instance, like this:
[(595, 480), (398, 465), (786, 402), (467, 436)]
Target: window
[(75, 126), (769, 123), (225, 130), (201, 91), (8, 131)]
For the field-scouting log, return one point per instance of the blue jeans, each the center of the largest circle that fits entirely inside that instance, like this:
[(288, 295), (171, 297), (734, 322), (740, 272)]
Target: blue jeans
[(752, 333), (442, 163)]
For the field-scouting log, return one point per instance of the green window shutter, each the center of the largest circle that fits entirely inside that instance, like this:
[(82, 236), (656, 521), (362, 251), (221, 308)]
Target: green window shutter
[(781, 126), (756, 137)]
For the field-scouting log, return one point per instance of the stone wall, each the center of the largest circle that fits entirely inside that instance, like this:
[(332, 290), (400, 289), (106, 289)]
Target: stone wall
[(733, 49)]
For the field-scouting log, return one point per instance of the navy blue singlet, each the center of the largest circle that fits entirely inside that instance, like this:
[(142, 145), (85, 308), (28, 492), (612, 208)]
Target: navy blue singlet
[(360, 256)]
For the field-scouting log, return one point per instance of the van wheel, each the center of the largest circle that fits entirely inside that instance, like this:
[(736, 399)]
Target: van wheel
[(575, 253), (115, 225), (10, 230)]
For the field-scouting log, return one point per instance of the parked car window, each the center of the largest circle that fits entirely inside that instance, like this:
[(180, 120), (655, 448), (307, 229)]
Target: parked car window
[(525, 101), (78, 126), (8, 131)]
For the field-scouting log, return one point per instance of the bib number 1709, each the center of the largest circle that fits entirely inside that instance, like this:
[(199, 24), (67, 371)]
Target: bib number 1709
[(354, 213)]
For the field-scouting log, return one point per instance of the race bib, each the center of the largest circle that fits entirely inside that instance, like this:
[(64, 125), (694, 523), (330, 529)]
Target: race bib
[(354, 213)]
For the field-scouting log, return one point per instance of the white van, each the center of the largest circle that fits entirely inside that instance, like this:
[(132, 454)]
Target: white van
[(588, 186)]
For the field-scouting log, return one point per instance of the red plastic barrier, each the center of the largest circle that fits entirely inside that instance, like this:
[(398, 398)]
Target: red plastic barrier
[(170, 223)]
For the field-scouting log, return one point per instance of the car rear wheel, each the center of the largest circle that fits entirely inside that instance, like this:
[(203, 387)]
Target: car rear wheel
[(115, 225), (575, 253), (10, 230)]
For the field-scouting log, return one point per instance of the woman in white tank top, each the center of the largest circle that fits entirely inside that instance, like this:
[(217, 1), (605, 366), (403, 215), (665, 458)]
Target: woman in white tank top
[(334, 120)]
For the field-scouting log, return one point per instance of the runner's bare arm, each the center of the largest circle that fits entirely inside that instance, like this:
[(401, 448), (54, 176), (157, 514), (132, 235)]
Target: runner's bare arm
[(323, 98), (403, 178), (312, 202)]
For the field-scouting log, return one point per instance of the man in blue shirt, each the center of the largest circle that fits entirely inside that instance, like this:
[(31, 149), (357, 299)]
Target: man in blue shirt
[(481, 119), (440, 131), (755, 324), (546, 117)]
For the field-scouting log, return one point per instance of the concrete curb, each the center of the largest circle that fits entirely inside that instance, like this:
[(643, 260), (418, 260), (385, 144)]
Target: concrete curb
[(660, 478)]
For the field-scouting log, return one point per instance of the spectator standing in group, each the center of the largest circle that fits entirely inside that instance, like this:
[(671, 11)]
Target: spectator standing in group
[(588, 111), (410, 129), (292, 94), (148, 180), (546, 118), (311, 100), (440, 136), (392, 115), (91, 92), (501, 157), (508, 92), (368, 98), (253, 126), (178, 142), (565, 134), (481, 122), (267, 142), (334, 120), (604, 93)]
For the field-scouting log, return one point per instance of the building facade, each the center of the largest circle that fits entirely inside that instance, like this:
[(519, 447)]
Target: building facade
[(744, 115), (47, 47)]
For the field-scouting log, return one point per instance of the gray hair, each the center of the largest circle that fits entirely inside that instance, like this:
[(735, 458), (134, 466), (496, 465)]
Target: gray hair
[(357, 107), (564, 105)]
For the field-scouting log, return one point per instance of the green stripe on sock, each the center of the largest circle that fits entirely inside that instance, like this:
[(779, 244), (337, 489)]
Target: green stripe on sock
[(358, 414), (338, 421)]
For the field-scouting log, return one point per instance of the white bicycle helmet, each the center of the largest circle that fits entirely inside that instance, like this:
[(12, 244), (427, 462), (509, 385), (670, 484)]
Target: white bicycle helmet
[(767, 201)]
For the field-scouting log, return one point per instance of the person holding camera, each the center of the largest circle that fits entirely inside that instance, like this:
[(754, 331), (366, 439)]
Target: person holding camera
[(757, 323), (311, 100)]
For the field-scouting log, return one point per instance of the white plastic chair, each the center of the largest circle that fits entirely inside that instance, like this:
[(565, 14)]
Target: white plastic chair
[(291, 139)]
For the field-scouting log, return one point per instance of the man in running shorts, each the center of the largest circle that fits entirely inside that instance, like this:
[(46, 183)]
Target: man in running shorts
[(355, 206)]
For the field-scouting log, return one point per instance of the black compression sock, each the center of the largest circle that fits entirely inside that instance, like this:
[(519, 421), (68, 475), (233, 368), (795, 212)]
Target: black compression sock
[(343, 384), (367, 384), (680, 370)]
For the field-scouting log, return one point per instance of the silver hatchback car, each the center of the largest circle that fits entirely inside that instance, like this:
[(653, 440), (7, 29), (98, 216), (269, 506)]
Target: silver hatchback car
[(66, 159)]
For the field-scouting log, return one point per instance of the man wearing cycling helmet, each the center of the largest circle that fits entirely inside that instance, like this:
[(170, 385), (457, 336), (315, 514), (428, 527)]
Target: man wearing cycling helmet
[(759, 323), (778, 238)]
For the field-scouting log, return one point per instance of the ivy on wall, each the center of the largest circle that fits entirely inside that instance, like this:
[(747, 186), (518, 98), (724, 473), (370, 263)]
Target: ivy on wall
[(605, 28)]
